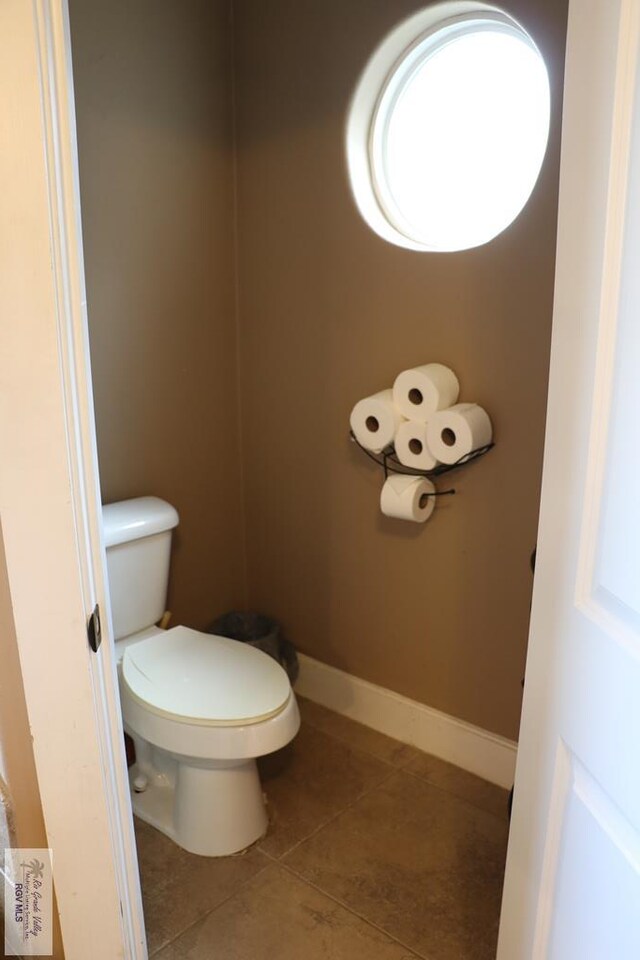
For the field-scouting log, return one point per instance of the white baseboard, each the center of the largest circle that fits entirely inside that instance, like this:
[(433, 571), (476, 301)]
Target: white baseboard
[(479, 751)]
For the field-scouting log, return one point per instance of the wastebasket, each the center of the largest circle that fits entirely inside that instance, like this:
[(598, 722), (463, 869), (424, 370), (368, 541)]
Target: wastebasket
[(261, 632)]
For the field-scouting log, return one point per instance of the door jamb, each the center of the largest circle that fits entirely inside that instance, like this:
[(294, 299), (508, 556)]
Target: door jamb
[(50, 498)]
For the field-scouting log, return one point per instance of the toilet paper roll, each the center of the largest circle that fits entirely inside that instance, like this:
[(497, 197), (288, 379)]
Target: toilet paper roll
[(456, 432), (419, 392), (407, 498), (412, 447), (375, 420)]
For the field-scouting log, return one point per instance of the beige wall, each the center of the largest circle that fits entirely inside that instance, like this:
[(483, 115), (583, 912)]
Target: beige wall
[(153, 100), (330, 313), (21, 820)]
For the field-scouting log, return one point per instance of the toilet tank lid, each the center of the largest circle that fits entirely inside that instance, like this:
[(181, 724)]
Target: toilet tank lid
[(133, 519)]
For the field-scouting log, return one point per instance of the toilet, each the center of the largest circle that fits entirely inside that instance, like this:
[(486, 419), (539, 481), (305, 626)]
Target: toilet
[(200, 708)]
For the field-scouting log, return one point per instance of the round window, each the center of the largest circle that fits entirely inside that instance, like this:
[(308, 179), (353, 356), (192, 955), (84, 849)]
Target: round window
[(448, 128)]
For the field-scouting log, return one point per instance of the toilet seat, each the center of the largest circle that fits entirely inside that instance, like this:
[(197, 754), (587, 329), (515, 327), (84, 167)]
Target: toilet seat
[(197, 678)]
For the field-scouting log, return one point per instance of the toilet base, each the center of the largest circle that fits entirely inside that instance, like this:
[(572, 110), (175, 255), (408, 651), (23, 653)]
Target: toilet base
[(213, 811)]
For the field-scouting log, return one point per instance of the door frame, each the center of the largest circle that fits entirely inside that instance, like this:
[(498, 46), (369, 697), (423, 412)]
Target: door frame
[(50, 497)]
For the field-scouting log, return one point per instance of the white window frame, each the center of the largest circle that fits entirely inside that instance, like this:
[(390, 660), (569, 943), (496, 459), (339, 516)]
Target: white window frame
[(382, 82)]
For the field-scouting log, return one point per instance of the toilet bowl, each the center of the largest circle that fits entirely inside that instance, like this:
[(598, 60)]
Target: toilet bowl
[(200, 708)]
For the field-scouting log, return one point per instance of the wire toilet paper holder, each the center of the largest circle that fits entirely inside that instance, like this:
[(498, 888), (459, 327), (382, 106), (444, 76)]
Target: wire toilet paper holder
[(387, 459)]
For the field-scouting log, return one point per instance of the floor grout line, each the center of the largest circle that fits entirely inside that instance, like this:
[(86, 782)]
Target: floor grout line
[(226, 899), (476, 806), (331, 819), (360, 749), (404, 765), (349, 909), (416, 776)]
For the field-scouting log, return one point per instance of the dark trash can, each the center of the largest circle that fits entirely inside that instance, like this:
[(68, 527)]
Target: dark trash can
[(261, 632)]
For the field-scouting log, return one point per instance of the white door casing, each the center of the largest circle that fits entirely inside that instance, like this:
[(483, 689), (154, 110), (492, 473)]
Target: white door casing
[(49, 496), (572, 885)]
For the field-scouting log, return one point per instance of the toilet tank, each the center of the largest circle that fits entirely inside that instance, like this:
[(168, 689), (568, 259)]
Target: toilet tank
[(137, 536)]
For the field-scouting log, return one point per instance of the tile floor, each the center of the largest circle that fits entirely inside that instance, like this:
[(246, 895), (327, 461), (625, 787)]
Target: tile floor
[(375, 852)]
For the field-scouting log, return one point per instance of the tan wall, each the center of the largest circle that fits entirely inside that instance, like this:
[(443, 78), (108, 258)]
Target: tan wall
[(330, 313), (21, 820), (153, 99)]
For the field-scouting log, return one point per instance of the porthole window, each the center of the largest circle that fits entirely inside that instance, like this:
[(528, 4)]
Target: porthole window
[(448, 128)]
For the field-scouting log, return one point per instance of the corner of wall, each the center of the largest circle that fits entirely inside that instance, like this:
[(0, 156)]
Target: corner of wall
[(237, 303)]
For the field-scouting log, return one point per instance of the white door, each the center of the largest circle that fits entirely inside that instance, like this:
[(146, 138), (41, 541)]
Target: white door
[(572, 886)]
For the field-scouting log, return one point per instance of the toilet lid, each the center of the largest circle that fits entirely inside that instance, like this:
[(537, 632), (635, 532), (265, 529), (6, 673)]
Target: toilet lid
[(198, 678)]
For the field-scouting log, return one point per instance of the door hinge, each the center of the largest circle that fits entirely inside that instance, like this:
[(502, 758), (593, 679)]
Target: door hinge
[(94, 629)]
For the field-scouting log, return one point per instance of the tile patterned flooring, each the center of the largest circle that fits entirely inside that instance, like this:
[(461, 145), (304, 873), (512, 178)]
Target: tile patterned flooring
[(375, 851)]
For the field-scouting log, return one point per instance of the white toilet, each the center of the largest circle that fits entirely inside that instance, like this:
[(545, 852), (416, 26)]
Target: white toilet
[(199, 708)]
